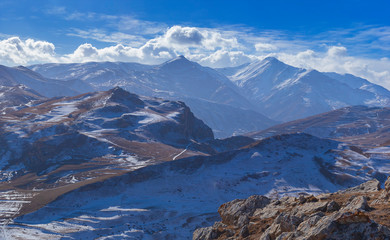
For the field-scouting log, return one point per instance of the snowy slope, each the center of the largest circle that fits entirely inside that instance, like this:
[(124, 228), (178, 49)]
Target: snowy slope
[(287, 93), (382, 96), (16, 97), (177, 79), (108, 125), (357, 125), (170, 200)]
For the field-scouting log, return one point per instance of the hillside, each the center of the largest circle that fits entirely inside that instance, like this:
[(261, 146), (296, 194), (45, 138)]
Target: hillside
[(172, 199)]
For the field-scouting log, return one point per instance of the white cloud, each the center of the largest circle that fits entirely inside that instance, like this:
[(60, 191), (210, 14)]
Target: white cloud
[(265, 47), (209, 47), (14, 51), (187, 36), (337, 51), (183, 38)]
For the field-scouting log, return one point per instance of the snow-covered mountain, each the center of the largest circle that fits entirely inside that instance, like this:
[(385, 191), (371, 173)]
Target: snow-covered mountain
[(357, 125), (16, 97), (59, 144), (170, 200), (209, 94), (113, 164), (96, 125), (15, 76), (286, 93)]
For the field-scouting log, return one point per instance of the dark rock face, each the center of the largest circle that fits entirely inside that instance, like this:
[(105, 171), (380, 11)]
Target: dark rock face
[(355, 213)]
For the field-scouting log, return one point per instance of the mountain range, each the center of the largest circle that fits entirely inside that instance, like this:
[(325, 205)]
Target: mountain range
[(125, 150), (286, 93), (209, 94), (250, 97)]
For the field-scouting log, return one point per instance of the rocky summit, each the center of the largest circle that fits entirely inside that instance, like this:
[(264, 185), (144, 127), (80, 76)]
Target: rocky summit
[(360, 212)]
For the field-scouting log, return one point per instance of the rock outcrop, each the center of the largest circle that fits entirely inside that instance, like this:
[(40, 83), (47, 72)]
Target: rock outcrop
[(357, 213)]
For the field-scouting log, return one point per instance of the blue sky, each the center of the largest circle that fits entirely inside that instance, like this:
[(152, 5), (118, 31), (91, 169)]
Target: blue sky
[(344, 36)]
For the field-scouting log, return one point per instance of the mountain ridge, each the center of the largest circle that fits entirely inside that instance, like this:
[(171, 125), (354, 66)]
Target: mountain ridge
[(287, 93)]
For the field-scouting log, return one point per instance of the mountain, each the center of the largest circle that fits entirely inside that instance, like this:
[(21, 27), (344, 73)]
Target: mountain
[(16, 97), (286, 93), (170, 200), (380, 92), (208, 93), (357, 125), (94, 125), (356, 213), (175, 78), (60, 144), (11, 77)]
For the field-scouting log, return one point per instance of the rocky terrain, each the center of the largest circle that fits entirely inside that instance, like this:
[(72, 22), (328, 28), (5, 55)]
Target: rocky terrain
[(356, 213)]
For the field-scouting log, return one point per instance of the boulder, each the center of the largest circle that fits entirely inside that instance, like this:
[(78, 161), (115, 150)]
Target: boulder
[(369, 186)]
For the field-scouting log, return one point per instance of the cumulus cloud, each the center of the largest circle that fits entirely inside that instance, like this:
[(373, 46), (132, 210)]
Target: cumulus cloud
[(183, 38), (209, 47), (188, 36), (337, 51), (14, 51)]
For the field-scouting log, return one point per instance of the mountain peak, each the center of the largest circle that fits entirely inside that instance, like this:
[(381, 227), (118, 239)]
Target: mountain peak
[(181, 57), (179, 61), (120, 95), (272, 61)]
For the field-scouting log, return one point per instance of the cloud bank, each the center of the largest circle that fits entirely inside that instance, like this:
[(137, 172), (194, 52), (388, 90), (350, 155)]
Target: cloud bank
[(211, 47)]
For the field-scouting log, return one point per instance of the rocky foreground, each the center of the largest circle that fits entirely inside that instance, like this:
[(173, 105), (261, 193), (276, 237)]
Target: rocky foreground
[(361, 212)]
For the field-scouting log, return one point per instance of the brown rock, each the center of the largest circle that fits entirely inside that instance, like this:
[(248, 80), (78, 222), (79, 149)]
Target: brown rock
[(355, 217), (309, 207), (230, 212), (369, 186), (357, 204), (332, 206)]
